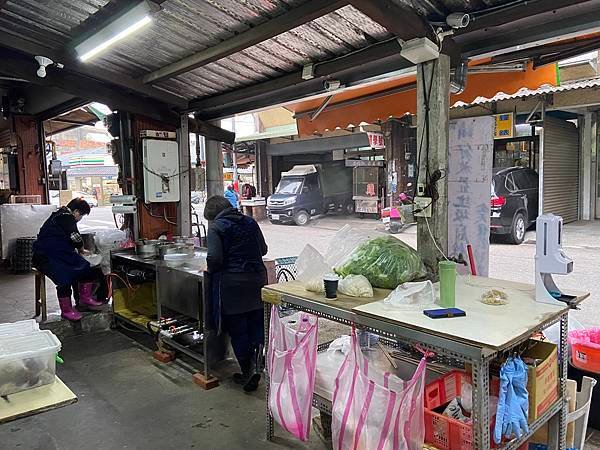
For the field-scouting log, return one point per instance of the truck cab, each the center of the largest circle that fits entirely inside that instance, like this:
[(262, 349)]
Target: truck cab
[(302, 193)]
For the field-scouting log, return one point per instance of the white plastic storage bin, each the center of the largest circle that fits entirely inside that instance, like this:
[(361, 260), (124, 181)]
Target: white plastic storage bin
[(18, 328), (27, 361)]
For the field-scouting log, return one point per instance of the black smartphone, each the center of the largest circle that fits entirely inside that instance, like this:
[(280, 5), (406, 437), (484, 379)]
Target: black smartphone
[(444, 313)]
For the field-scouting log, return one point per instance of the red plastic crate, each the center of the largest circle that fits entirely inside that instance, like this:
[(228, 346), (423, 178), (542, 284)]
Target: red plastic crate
[(444, 432)]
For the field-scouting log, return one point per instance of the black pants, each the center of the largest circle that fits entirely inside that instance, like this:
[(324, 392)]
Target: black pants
[(93, 275), (246, 331)]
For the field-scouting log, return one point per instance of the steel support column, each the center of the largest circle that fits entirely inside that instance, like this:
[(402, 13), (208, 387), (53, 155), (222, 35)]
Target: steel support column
[(214, 168), (184, 209), (588, 167), (433, 93)]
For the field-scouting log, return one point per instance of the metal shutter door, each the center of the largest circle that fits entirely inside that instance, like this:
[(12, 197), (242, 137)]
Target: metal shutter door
[(560, 169)]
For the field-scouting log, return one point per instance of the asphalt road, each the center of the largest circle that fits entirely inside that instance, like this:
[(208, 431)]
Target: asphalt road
[(511, 262)]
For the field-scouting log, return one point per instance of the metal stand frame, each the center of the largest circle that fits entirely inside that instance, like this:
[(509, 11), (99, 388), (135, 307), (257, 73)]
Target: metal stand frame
[(478, 357)]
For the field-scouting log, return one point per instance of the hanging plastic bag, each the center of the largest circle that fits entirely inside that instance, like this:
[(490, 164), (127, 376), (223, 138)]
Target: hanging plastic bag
[(355, 286), (386, 262), (411, 296), (373, 409), (311, 267), (292, 364), (106, 241)]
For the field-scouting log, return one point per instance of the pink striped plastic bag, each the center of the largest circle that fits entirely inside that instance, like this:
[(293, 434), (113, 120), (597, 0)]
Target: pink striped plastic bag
[(292, 364), (374, 410)]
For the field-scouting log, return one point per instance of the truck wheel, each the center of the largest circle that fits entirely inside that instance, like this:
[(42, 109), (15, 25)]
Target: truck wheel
[(349, 208), (518, 228), (301, 218)]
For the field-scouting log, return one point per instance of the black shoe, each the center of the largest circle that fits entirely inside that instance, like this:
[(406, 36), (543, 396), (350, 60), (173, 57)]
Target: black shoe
[(240, 378), (252, 384)]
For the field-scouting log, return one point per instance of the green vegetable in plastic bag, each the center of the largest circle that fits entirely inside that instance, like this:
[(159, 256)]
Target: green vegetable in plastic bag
[(385, 261)]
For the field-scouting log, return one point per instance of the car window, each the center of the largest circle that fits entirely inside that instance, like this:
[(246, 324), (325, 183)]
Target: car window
[(509, 183), (521, 179)]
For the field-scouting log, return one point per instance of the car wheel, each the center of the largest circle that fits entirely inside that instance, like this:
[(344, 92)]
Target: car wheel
[(301, 218), (517, 232)]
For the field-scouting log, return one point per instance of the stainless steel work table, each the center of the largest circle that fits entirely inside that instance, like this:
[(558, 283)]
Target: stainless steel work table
[(450, 338), (181, 289)]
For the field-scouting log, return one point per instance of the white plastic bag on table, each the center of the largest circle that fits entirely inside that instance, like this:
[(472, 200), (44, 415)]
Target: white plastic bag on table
[(311, 268), (343, 244), (355, 286), (291, 364), (411, 296), (374, 409), (107, 240)]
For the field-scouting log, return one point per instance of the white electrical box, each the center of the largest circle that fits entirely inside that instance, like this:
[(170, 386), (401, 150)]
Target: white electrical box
[(161, 171)]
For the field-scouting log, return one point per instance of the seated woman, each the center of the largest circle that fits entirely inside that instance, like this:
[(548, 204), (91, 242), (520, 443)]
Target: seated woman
[(57, 254), (235, 250)]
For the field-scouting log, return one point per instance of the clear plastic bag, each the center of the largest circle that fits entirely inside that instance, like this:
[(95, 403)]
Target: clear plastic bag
[(355, 286), (311, 267), (343, 244), (386, 262), (494, 297), (411, 296)]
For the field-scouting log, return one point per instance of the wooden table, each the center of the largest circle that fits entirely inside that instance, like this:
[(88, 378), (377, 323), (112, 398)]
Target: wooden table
[(476, 339)]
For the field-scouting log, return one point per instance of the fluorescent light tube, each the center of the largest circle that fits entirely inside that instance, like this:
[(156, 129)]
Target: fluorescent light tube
[(131, 21)]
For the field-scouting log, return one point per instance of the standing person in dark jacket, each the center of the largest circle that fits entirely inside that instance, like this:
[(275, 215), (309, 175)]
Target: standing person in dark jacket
[(235, 250), (57, 254)]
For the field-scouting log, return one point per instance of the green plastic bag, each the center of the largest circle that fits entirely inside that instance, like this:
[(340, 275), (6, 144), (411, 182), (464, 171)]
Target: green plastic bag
[(385, 261)]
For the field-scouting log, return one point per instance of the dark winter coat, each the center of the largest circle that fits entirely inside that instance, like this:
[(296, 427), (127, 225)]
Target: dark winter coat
[(236, 246), (55, 253)]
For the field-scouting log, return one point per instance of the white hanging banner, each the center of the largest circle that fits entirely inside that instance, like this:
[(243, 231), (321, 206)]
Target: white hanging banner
[(470, 156)]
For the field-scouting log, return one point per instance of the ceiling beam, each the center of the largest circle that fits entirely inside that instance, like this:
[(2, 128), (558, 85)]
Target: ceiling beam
[(530, 33), (376, 60), (87, 88), (508, 14), (255, 35), (62, 108), (212, 131), (401, 22), (73, 65)]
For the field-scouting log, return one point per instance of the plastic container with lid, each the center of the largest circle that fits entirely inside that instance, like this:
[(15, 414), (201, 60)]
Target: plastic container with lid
[(27, 361), (18, 328)]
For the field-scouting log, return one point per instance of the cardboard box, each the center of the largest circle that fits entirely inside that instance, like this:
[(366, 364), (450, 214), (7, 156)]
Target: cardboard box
[(542, 383)]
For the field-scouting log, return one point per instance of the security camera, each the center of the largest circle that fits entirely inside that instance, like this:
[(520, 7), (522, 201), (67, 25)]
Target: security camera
[(43, 62), (458, 20), (332, 85)]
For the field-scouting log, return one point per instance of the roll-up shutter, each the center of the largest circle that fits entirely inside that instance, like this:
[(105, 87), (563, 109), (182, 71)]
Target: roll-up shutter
[(560, 169)]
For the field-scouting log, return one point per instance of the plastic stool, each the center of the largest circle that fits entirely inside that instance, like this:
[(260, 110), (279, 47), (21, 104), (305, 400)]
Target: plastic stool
[(40, 295)]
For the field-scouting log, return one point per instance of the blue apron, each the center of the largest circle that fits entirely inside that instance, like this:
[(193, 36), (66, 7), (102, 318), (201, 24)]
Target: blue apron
[(65, 265)]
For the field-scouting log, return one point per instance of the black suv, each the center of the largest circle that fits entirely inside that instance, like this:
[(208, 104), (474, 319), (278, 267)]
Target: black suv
[(514, 202)]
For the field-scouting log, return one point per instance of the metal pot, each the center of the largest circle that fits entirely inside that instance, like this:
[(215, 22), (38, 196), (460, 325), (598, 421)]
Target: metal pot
[(167, 249), (147, 247)]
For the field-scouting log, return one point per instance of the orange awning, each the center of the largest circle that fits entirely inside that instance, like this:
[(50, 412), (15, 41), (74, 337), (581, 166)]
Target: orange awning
[(397, 104)]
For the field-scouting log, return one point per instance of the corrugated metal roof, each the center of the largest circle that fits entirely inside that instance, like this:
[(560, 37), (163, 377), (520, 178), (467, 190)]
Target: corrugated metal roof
[(184, 27), (525, 92)]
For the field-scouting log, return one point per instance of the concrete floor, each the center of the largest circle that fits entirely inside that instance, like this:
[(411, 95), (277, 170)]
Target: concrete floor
[(128, 400)]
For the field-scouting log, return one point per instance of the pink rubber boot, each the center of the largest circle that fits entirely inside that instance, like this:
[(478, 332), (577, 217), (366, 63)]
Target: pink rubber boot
[(67, 311), (85, 297)]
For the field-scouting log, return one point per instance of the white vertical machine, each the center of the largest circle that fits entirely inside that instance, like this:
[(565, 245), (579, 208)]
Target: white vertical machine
[(161, 169), (550, 259)]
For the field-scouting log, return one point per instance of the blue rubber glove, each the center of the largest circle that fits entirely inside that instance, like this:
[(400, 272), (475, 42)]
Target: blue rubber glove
[(502, 419), (519, 405)]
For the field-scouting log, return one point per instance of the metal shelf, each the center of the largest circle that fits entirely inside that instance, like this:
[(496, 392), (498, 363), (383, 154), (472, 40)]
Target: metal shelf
[(478, 357)]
